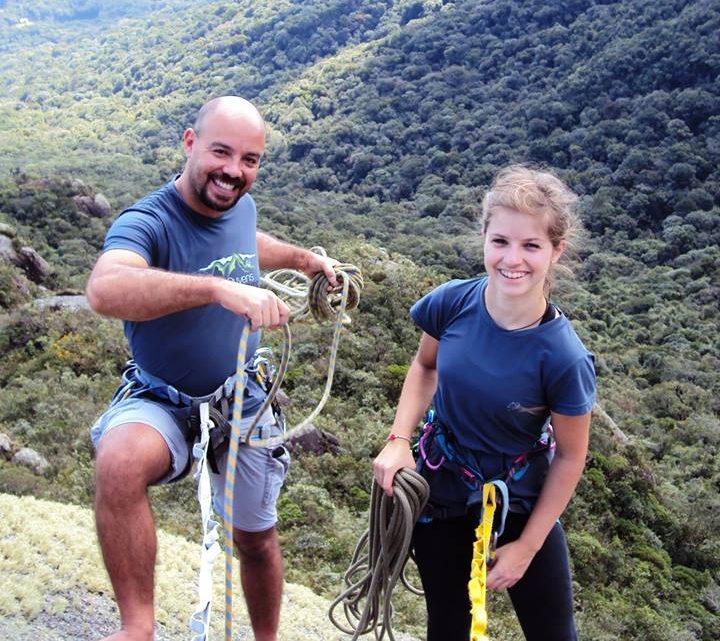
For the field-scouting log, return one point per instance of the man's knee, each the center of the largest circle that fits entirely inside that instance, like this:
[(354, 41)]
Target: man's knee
[(130, 457), (256, 545)]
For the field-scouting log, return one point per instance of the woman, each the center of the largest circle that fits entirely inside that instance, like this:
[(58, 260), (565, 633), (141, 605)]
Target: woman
[(504, 369)]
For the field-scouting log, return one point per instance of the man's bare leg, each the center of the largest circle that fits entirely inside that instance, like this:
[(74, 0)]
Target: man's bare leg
[(129, 458), (261, 575)]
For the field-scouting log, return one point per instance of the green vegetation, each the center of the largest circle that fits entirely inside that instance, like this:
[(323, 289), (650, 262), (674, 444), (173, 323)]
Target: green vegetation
[(387, 119)]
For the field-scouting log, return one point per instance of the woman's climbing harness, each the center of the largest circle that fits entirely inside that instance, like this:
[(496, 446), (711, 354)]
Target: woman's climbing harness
[(373, 574), (380, 557), (486, 497), (304, 296)]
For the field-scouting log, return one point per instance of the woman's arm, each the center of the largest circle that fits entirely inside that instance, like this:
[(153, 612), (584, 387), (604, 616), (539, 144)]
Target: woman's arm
[(417, 392), (571, 445)]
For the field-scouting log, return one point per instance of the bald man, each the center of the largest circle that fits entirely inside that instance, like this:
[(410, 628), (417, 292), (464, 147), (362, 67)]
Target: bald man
[(181, 268)]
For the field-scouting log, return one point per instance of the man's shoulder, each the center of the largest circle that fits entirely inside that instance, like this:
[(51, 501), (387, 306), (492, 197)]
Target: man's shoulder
[(161, 200)]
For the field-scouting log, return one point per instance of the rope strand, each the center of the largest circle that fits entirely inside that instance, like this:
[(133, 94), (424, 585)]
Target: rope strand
[(323, 304), (380, 558)]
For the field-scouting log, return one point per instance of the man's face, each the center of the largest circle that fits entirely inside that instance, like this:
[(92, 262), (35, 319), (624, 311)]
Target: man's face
[(223, 159)]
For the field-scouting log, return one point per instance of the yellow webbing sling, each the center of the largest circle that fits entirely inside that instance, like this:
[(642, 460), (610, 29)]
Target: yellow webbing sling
[(482, 555)]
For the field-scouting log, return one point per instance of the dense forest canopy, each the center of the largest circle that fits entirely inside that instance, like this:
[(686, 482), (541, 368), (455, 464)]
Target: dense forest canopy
[(387, 119)]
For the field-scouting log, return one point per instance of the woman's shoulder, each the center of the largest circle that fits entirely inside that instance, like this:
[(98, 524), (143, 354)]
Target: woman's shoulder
[(564, 344), (444, 303), (459, 288)]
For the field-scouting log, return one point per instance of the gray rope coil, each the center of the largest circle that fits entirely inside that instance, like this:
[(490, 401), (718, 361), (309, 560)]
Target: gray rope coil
[(380, 558), (293, 287), (306, 295)]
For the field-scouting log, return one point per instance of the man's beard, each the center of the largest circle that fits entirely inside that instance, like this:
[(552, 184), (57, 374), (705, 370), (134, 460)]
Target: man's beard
[(212, 203)]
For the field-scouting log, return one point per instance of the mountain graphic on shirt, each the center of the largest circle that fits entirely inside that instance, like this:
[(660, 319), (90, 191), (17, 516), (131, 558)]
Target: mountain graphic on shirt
[(227, 265)]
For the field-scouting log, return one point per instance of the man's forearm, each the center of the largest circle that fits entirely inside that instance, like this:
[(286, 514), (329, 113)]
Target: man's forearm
[(275, 254), (140, 294)]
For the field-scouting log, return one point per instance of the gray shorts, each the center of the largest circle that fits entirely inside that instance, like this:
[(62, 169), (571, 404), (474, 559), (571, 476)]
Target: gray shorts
[(260, 471)]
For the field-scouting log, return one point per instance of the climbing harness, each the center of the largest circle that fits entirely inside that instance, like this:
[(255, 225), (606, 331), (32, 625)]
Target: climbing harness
[(380, 557), (486, 497), (291, 286)]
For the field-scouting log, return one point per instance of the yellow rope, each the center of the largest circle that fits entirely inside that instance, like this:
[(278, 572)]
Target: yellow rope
[(323, 305), (482, 555)]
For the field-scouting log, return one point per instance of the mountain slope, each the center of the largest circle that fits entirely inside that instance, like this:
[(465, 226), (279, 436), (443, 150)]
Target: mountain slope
[(53, 586)]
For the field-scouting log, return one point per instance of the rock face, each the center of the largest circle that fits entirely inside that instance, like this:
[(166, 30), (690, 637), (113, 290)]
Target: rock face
[(32, 460), (97, 206), (24, 456)]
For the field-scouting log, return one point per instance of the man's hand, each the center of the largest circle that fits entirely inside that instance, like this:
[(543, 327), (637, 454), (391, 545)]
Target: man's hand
[(315, 263), (275, 254), (260, 306)]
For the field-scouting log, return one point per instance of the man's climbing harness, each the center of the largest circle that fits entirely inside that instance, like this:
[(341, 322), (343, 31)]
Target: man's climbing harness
[(380, 557), (303, 296)]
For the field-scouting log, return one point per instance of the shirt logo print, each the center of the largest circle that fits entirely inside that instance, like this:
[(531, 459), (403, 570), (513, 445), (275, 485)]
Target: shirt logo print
[(227, 265)]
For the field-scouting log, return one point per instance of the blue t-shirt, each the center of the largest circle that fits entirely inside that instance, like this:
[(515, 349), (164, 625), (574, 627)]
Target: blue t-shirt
[(194, 350), (496, 387)]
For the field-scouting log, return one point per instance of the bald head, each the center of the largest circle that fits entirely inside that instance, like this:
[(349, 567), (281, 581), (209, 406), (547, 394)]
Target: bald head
[(233, 108), (223, 151)]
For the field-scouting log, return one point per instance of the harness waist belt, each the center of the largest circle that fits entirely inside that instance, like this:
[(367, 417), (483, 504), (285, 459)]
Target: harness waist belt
[(163, 389)]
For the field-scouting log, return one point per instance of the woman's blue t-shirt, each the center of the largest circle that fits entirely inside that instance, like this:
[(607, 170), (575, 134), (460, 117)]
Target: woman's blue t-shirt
[(496, 387)]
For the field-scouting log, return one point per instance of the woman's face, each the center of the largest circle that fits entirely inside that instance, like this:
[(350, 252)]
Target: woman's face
[(518, 253)]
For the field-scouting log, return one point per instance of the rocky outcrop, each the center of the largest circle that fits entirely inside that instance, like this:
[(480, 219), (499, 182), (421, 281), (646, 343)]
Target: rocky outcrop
[(66, 301), (56, 587), (24, 456), (96, 206), (6, 446), (36, 268), (32, 460), (314, 441), (7, 247), (33, 264)]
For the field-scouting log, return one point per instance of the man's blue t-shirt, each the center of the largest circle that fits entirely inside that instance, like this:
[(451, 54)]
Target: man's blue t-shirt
[(194, 350), (496, 387)]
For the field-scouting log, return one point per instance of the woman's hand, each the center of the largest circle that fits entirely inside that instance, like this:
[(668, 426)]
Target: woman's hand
[(393, 457), (510, 564)]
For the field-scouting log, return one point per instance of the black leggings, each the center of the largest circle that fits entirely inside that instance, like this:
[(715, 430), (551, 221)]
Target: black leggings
[(542, 599)]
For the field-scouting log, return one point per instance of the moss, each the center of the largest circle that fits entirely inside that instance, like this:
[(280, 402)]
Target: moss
[(46, 548)]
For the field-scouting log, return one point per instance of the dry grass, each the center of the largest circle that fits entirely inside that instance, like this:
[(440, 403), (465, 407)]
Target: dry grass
[(48, 548)]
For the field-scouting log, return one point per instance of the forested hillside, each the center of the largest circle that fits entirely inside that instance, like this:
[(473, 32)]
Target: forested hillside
[(387, 120)]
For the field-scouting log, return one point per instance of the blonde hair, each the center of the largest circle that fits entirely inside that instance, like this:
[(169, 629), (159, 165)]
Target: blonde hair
[(538, 193)]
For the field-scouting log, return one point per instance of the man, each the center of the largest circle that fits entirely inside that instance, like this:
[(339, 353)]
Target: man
[(180, 267)]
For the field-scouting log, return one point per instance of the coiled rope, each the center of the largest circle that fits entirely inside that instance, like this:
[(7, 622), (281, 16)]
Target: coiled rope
[(380, 557), (291, 286)]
